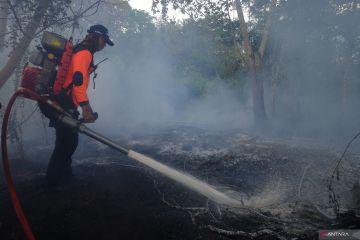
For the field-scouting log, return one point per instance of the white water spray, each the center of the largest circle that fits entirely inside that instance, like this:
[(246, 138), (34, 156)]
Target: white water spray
[(188, 181)]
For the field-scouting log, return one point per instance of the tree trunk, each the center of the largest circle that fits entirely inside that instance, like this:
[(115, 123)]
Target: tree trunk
[(276, 60), (29, 33), (3, 23), (274, 88), (254, 62)]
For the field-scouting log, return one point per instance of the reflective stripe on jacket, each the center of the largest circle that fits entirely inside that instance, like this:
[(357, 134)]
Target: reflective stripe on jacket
[(79, 75)]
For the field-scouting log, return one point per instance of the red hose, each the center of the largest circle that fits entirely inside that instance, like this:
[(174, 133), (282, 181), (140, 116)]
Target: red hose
[(10, 183)]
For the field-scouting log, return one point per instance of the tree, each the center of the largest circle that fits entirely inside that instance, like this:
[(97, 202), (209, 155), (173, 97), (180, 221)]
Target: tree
[(28, 34), (348, 35), (203, 53), (254, 54), (255, 59)]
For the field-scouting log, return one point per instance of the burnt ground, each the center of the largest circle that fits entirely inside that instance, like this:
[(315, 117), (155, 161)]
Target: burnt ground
[(282, 184)]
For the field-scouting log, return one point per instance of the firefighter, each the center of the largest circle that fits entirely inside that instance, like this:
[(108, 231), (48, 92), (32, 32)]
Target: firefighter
[(71, 97)]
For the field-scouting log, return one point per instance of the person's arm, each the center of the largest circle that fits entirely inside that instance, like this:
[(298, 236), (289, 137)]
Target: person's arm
[(82, 61)]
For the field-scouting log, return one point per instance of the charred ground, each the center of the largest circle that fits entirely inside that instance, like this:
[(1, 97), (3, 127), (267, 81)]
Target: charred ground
[(283, 186)]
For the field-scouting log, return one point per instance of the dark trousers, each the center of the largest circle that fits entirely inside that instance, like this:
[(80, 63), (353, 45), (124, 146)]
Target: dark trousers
[(59, 167), (66, 142)]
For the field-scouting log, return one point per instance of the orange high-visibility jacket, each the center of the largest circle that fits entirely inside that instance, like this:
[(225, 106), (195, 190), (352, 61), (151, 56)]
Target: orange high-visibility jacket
[(79, 75)]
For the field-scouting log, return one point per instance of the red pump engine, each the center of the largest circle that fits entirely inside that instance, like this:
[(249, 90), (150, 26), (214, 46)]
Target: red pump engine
[(50, 64)]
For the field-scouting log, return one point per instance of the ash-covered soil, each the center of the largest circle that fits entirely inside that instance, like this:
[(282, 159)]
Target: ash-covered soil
[(282, 185)]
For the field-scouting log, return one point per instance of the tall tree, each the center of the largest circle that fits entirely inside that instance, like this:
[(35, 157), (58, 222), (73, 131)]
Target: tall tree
[(255, 58), (254, 53), (347, 14)]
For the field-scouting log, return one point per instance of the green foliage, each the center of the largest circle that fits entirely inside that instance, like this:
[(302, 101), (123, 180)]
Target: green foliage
[(201, 52), (310, 42), (206, 52), (195, 9)]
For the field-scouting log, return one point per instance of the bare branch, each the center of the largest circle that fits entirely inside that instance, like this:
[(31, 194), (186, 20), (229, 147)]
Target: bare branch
[(253, 235), (96, 10), (66, 20), (90, 7), (72, 11), (244, 33), (7, 33), (265, 33), (233, 33), (302, 180), (81, 5), (117, 3), (15, 15), (176, 205)]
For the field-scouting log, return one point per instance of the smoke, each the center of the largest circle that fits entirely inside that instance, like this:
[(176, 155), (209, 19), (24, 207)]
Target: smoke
[(317, 89), (140, 86), (272, 194), (142, 89)]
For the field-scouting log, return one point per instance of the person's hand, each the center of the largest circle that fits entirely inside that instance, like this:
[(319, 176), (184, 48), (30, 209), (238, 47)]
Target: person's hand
[(87, 114)]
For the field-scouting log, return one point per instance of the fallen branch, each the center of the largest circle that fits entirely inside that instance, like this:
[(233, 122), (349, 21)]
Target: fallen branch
[(302, 180), (177, 206), (265, 232)]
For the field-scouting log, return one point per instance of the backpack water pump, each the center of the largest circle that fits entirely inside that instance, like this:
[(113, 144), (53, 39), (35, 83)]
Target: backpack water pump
[(48, 65)]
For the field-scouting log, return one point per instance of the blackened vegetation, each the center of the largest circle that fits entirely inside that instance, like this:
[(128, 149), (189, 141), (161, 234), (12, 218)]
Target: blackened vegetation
[(282, 186)]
